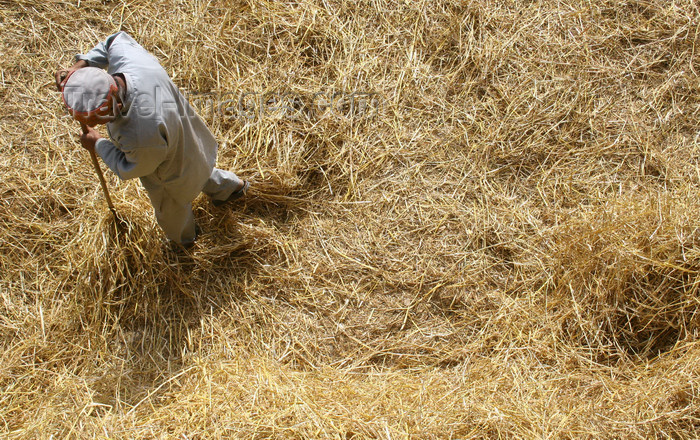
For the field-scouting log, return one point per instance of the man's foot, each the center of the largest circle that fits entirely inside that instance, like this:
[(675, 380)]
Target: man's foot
[(235, 195), (180, 248)]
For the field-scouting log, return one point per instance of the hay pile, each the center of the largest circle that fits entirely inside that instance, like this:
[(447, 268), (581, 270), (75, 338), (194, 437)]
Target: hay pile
[(500, 241)]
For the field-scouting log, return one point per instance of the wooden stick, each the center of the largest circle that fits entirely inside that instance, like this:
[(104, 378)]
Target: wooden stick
[(103, 183)]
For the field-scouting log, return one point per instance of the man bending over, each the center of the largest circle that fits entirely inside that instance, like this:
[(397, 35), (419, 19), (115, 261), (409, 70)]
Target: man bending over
[(155, 134)]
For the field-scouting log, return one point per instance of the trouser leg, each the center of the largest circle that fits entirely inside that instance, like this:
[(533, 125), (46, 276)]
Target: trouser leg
[(221, 184), (176, 220)]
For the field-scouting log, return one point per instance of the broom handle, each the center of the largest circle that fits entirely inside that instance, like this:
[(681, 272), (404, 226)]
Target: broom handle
[(96, 164)]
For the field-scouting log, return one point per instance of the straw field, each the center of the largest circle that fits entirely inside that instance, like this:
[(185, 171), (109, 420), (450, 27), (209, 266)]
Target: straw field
[(467, 219)]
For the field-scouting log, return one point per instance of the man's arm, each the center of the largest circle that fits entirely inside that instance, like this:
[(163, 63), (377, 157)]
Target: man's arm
[(128, 163), (99, 55)]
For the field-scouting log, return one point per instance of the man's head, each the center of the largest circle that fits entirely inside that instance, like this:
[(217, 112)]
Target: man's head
[(90, 95)]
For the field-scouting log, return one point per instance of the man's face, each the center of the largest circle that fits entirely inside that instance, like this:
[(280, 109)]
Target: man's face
[(102, 115)]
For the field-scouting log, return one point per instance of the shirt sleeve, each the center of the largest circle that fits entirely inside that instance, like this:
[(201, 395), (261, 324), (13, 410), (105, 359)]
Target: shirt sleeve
[(129, 163), (99, 55)]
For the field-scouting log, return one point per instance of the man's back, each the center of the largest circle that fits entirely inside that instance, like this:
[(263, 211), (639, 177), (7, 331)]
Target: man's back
[(166, 142), (154, 133)]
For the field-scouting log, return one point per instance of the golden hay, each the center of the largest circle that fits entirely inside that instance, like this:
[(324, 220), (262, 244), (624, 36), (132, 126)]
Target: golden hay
[(499, 239)]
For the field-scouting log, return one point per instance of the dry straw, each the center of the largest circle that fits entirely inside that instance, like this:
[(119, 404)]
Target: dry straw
[(503, 243)]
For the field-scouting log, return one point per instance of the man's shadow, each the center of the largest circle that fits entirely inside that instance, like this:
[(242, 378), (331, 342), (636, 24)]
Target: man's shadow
[(150, 299), (147, 302)]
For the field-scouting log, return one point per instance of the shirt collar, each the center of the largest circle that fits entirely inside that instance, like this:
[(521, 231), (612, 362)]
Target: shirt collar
[(130, 93)]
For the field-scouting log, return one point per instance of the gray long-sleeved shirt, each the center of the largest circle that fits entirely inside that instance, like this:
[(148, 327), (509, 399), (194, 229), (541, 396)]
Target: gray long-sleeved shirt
[(158, 137)]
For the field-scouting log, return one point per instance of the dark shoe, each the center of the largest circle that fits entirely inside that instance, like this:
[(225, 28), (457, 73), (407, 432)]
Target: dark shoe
[(179, 248), (235, 195)]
